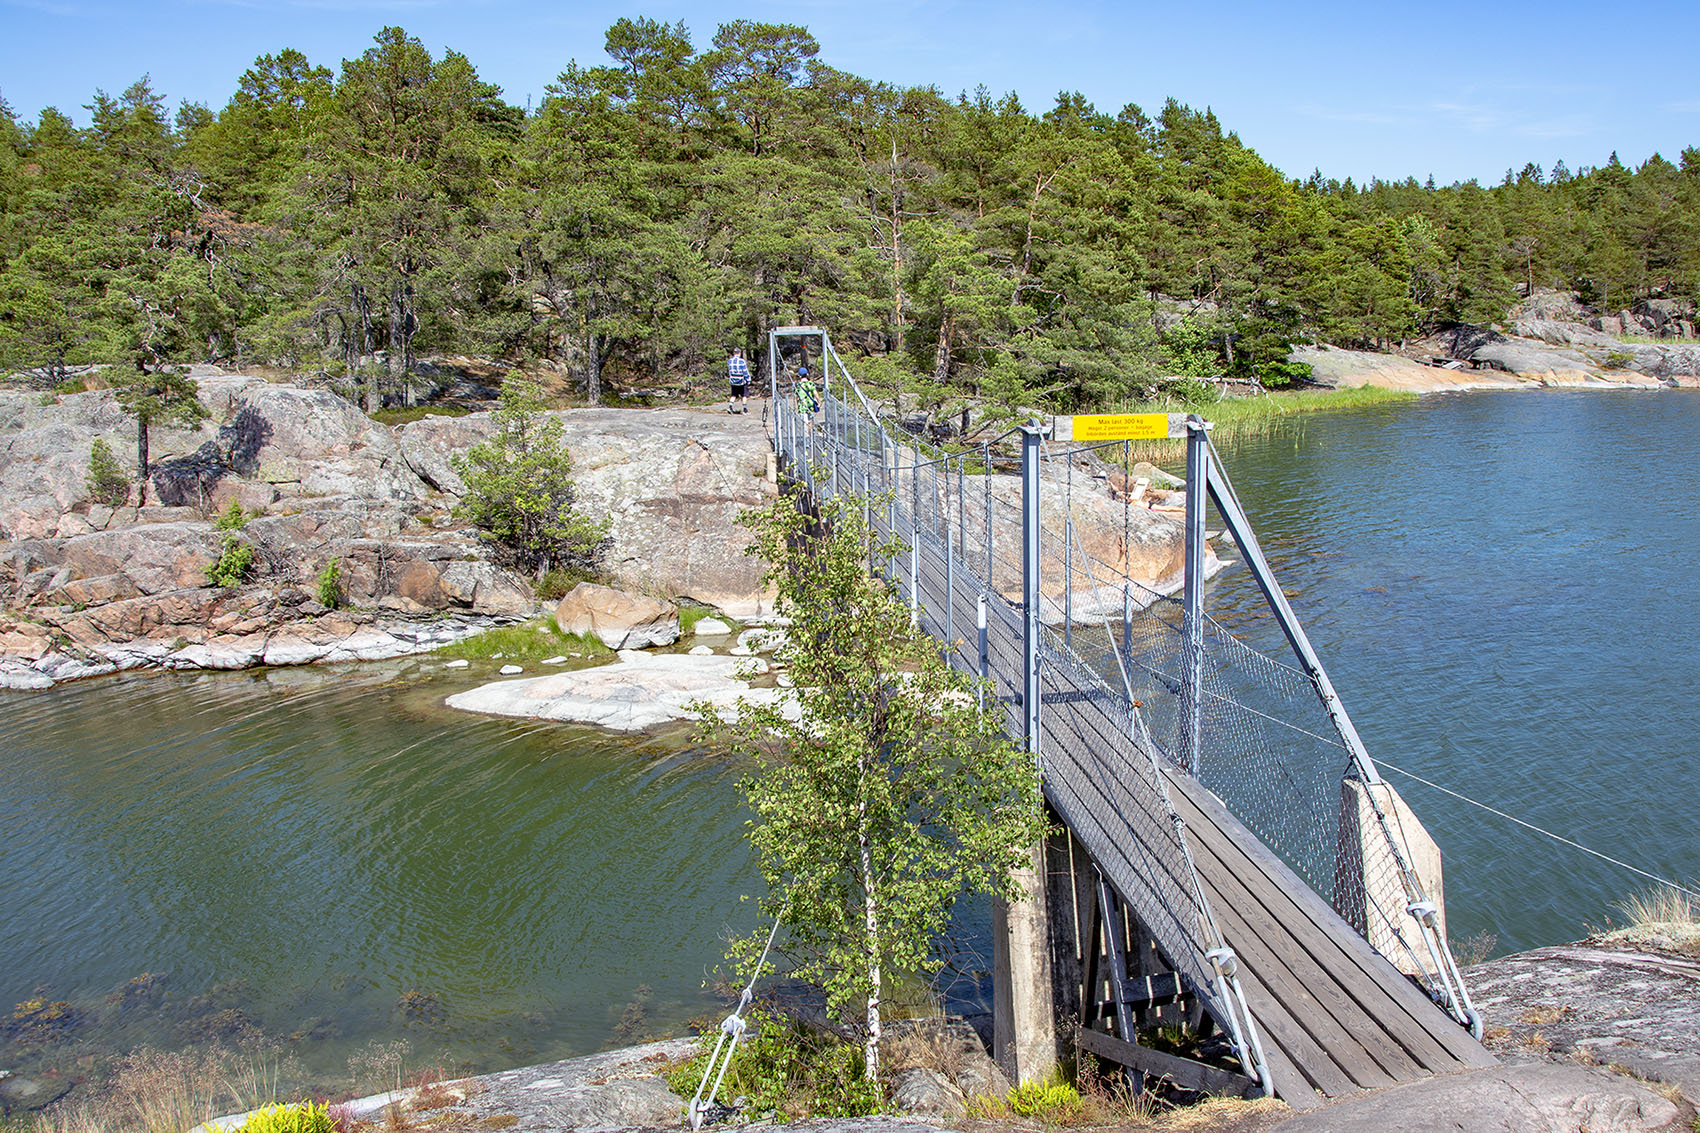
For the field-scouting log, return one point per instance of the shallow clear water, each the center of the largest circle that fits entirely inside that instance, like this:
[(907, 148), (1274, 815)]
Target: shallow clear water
[(338, 856), (1502, 586)]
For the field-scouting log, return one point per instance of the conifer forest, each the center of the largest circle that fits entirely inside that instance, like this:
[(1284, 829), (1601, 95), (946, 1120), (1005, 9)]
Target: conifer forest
[(677, 198)]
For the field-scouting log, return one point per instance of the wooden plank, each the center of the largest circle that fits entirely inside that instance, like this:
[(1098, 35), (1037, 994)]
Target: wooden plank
[(1183, 1071), (1279, 1025), (1277, 938), (1419, 1024), (1130, 883), (1352, 1039), (1162, 987)]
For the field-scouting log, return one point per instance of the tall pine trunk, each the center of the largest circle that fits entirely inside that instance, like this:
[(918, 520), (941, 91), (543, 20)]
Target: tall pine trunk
[(141, 461), (595, 345), (941, 354), (395, 359), (360, 345)]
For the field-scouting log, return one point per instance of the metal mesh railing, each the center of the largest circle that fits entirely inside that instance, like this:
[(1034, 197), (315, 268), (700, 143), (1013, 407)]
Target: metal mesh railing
[(1113, 665), (1268, 747), (962, 572)]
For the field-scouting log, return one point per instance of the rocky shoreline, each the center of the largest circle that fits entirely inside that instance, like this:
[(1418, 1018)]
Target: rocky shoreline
[(1598, 1036), (88, 589), (1603, 1036), (1550, 341)]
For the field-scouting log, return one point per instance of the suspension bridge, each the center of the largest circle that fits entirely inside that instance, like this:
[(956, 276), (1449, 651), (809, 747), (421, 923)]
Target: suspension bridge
[(1231, 860)]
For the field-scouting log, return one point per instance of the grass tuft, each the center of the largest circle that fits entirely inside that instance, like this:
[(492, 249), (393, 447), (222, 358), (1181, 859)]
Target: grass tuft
[(402, 415), (1662, 907), (1234, 418), (528, 641)]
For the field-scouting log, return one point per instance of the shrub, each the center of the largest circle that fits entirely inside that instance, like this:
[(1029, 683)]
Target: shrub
[(307, 1117), (235, 561), (329, 585), (107, 481), (786, 1069), (233, 518), (519, 487), (1052, 1102), (1279, 375), (1618, 360)]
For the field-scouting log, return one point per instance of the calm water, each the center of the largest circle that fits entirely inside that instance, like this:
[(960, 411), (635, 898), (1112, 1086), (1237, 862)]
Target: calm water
[(1501, 585), (336, 856)]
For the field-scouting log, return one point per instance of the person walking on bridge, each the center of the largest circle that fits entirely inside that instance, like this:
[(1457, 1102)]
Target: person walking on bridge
[(738, 376)]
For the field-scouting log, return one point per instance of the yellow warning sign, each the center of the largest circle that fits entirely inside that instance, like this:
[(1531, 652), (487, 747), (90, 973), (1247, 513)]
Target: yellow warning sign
[(1090, 427)]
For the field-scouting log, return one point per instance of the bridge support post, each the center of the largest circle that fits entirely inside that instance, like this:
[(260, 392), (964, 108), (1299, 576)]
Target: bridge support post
[(1024, 1036), (1024, 1032), (1192, 686)]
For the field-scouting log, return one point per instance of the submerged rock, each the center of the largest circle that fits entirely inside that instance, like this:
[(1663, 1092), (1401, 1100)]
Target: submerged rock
[(21, 1093)]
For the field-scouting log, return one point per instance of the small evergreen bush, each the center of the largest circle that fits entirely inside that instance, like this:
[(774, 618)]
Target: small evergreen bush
[(329, 585), (1279, 375), (233, 518), (107, 482), (235, 561)]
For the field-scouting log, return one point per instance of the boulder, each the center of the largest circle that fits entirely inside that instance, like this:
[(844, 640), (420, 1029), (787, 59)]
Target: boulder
[(761, 639), (1334, 368), (24, 1093), (1529, 360), (619, 619), (711, 627), (927, 1092), (1552, 1098), (430, 444), (672, 484)]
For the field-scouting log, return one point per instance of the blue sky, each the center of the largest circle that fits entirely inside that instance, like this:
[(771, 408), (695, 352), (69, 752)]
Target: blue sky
[(1451, 89)]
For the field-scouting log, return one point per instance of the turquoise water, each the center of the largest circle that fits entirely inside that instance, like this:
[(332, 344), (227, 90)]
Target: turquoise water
[(1500, 584)]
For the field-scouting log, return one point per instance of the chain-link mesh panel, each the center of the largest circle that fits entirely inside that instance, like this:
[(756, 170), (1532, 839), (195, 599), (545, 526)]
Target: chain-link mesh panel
[(959, 524), (1267, 746)]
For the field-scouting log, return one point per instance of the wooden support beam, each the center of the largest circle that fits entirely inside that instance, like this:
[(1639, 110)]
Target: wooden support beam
[(1150, 991), (1183, 1072)]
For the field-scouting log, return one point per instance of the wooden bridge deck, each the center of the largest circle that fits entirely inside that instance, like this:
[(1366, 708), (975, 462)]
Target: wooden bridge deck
[(1335, 1016)]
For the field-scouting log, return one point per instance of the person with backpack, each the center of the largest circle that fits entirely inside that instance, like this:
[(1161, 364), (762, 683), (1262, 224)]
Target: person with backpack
[(807, 396)]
